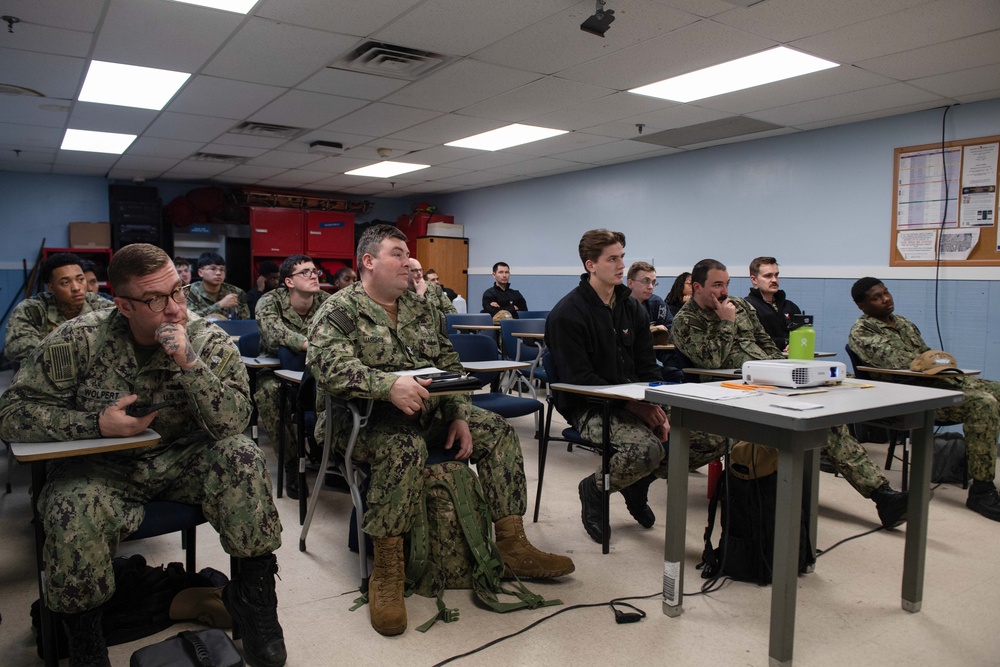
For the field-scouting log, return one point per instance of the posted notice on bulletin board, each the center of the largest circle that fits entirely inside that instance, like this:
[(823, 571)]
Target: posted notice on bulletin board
[(945, 204)]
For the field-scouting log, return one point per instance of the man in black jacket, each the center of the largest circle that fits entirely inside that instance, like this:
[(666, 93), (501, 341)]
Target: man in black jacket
[(598, 334), (773, 310), (502, 296)]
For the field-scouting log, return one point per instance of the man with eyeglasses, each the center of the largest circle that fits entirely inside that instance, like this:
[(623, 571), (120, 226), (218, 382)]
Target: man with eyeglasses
[(284, 315), (78, 385), (213, 297), (67, 297), (431, 292)]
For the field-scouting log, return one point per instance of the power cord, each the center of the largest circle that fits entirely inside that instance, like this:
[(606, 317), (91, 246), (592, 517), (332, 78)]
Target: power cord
[(621, 617), (944, 219)]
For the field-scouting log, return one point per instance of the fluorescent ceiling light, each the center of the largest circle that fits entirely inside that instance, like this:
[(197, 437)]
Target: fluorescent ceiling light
[(756, 70), (130, 86), (387, 169), (505, 137), (238, 6), (96, 142)]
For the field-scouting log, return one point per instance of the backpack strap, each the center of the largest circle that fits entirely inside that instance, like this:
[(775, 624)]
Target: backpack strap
[(710, 557), (201, 652)]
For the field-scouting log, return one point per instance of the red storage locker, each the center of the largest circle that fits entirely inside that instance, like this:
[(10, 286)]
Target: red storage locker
[(329, 233), (276, 231)]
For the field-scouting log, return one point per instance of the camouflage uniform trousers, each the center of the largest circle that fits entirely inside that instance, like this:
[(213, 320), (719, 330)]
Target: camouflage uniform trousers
[(395, 447), (267, 398), (88, 504), (636, 451), (980, 417)]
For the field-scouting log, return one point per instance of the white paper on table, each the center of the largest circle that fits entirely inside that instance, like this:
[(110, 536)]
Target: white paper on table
[(636, 392), (708, 391), (420, 371)]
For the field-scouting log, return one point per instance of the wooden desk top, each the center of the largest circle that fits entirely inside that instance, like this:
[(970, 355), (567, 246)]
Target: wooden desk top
[(261, 362), (537, 335), (291, 376), (476, 327), (44, 451), (494, 366), (906, 372), (665, 346)]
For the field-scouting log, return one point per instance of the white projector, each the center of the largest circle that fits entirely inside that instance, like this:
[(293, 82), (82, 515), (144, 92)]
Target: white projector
[(794, 373)]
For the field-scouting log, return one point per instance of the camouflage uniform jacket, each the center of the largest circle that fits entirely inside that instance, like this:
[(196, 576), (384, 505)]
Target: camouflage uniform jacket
[(89, 363), (280, 325), (435, 294), (709, 342), (894, 345), (200, 302), (354, 348), (34, 318)]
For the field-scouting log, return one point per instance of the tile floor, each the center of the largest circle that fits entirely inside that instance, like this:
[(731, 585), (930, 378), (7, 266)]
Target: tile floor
[(848, 609)]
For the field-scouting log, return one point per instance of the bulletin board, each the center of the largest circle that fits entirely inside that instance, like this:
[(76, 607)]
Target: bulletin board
[(968, 234)]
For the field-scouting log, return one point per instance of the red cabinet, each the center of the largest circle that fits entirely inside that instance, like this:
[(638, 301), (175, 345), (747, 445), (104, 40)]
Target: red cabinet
[(329, 233), (275, 231)]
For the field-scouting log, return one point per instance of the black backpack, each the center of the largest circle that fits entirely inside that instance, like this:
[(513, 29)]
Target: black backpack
[(747, 492)]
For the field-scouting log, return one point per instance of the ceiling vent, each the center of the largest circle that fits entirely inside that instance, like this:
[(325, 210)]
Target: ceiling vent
[(267, 130), (218, 157), (398, 62)]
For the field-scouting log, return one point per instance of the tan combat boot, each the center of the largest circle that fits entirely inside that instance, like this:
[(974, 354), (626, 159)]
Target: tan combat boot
[(524, 560), (385, 588)]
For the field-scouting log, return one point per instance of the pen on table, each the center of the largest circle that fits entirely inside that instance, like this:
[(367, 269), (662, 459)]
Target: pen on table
[(745, 387)]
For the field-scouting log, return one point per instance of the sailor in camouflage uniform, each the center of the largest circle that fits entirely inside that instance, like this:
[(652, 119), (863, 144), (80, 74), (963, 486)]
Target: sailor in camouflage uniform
[(35, 317), (431, 292), (357, 340), (225, 300), (716, 330), (77, 385), (284, 315), (886, 340)]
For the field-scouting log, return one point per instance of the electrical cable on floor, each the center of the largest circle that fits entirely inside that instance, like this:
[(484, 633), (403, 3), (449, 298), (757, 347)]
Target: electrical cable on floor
[(621, 617)]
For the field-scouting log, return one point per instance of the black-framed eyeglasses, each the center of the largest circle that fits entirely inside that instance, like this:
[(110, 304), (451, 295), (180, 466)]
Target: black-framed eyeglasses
[(649, 283), (158, 303), (309, 273)]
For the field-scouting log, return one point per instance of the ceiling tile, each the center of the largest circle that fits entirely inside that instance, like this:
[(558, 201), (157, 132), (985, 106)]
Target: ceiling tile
[(555, 146), (959, 84), (254, 171), (352, 84), (166, 35), (557, 43), (28, 137), (379, 118), (230, 149), (862, 101), (343, 16), (27, 109), (450, 127), (45, 39), (596, 154), (485, 160), (110, 118), (164, 147), (284, 159), (460, 27), (249, 141), (300, 108), (441, 154), (657, 121), (293, 53), (536, 98), (596, 112), (535, 166), (188, 126), (196, 169), (787, 20), (142, 162), (51, 75), (83, 15), (459, 85), (961, 54), (222, 98)]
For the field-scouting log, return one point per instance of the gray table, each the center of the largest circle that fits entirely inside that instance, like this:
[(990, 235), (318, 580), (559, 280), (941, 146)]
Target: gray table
[(797, 435)]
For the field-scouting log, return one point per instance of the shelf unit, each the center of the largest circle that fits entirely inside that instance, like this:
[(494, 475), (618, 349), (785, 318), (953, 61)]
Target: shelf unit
[(448, 256), (325, 236)]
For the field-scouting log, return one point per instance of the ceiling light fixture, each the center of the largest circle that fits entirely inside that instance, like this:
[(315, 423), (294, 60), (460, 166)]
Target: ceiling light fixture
[(600, 21), (505, 137), (386, 169), (765, 67), (96, 142), (130, 85), (236, 6)]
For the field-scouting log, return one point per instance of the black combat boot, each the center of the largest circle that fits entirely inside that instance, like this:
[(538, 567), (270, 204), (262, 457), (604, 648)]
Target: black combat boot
[(251, 601), (636, 500), (292, 479), (891, 505), (591, 512), (86, 639), (983, 498)]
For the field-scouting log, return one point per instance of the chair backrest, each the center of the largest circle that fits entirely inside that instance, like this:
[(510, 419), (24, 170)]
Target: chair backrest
[(238, 327), (855, 362), (528, 350), (249, 344), (476, 347), (533, 314), (467, 318), (292, 360)]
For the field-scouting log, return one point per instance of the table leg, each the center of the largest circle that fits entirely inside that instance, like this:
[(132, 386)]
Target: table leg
[(676, 530), (787, 520), (254, 416), (300, 438), (282, 393), (606, 477), (47, 618), (914, 554), (810, 491)]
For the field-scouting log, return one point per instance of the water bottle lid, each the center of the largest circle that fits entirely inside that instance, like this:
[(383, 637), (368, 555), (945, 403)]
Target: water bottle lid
[(802, 320)]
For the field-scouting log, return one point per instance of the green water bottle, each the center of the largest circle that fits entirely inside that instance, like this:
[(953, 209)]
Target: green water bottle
[(802, 340)]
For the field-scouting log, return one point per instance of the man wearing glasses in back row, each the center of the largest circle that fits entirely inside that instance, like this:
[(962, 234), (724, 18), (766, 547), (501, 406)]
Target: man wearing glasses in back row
[(213, 297), (78, 385)]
